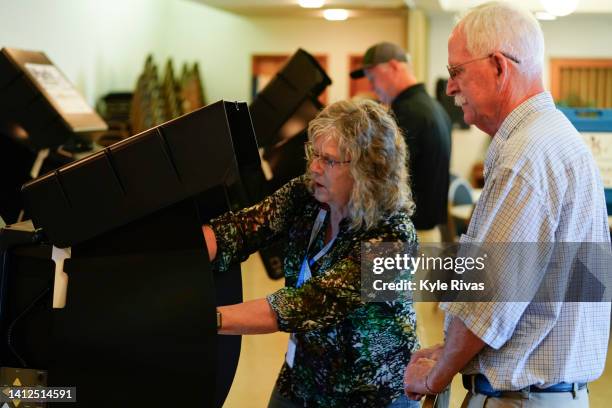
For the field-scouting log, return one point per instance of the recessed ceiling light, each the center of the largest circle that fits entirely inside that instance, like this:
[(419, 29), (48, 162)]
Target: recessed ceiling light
[(560, 8), (311, 3), (335, 14), (544, 16)]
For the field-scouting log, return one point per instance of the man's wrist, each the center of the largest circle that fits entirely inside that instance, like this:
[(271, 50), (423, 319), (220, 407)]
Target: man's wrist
[(435, 383), (429, 390)]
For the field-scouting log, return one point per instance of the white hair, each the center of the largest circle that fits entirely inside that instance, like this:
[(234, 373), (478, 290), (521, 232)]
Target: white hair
[(498, 26)]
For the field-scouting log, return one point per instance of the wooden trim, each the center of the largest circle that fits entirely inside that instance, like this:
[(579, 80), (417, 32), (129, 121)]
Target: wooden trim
[(597, 83)]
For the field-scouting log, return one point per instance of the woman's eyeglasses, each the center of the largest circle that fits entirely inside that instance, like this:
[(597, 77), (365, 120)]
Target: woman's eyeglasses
[(324, 161), (454, 70)]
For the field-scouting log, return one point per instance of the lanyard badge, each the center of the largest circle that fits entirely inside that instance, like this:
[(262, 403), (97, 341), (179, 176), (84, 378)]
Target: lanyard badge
[(306, 274)]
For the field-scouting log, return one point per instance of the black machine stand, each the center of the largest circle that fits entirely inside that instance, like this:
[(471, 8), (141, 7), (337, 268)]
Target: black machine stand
[(138, 326)]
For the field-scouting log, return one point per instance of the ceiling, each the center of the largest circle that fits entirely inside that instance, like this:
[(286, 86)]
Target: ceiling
[(584, 6), (358, 8), (370, 8)]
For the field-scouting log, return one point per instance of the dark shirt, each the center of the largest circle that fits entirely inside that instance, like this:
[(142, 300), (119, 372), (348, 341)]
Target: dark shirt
[(350, 353), (427, 132)]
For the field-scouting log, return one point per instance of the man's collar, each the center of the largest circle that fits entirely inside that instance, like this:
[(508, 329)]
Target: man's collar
[(539, 102), (411, 90)]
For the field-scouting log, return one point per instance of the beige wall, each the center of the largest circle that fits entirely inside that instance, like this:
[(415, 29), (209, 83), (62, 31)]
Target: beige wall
[(224, 43), (338, 40), (101, 45), (579, 35), (572, 36)]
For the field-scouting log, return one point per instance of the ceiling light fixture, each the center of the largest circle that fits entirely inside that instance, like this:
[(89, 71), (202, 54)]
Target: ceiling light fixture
[(335, 14), (311, 3), (560, 8), (544, 16)]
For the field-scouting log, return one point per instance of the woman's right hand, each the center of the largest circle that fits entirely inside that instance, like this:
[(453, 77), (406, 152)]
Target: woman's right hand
[(211, 241)]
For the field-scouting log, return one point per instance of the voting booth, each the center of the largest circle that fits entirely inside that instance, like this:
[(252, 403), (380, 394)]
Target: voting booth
[(109, 289), (281, 113), (43, 121)]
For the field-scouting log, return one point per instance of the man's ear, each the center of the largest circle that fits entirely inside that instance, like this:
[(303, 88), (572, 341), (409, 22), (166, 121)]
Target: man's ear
[(393, 64), (501, 64)]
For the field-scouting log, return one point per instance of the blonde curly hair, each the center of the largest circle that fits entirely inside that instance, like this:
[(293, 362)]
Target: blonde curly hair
[(369, 135)]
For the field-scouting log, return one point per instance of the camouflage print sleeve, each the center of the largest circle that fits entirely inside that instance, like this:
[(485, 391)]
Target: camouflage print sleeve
[(241, 233), (322, 301), (328, 297)]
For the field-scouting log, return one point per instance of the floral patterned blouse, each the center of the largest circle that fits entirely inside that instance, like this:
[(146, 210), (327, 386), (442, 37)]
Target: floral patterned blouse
[(349, 353)]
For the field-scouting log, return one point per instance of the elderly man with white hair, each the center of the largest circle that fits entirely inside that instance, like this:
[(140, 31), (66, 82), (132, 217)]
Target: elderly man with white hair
[(541, 185)]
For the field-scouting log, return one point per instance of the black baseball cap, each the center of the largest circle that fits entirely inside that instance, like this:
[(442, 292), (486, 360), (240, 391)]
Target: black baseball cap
[(378, 54)]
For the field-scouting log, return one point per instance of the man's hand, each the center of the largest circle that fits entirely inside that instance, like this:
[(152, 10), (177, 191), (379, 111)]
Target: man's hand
[(432, 353), (415, 376), (431, 375)]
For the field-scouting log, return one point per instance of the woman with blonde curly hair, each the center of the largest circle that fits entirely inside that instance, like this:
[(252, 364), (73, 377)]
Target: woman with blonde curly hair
[(343, 351)]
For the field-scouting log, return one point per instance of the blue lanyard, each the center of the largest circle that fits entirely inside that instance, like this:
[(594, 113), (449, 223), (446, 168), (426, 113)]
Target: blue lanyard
[(305, 272)]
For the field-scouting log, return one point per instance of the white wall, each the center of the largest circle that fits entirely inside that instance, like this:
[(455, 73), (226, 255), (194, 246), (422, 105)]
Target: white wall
[(224, 44), (578, 35), (99, 45), (440, 26), (338, 40), (214, 38)]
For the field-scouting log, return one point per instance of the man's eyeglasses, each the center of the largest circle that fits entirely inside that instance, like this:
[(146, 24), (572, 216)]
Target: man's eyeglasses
[(454, 70), (324, 161)]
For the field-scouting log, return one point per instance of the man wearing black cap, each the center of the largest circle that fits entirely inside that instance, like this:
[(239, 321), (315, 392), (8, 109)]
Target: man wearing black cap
[(426, 128)]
